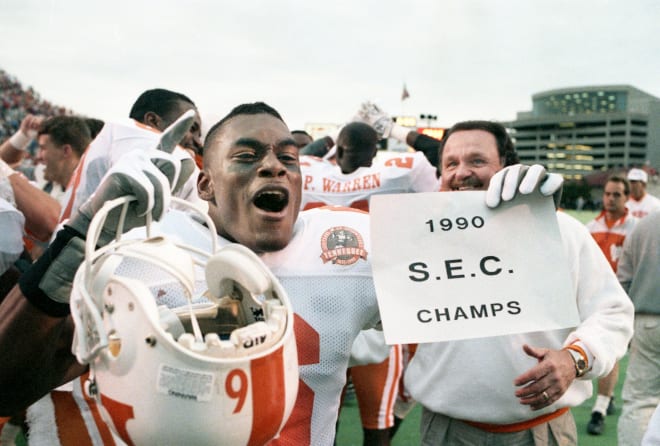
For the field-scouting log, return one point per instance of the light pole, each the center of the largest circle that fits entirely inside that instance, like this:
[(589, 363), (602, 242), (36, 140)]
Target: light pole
[(428, 118)]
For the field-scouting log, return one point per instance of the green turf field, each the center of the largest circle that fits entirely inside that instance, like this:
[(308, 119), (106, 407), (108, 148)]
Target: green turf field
[(350, 430), (583, 216)]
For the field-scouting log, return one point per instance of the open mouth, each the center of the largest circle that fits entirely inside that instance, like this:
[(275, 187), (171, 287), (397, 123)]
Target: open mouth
[(272, 200)]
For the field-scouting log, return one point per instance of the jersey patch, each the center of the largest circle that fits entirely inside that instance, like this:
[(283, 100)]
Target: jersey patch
[(342, 245)]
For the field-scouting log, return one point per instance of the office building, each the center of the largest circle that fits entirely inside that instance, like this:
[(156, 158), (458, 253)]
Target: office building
[(579, 131)]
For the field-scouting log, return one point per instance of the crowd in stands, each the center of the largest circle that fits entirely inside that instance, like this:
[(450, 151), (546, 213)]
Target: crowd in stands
[(17, 101)]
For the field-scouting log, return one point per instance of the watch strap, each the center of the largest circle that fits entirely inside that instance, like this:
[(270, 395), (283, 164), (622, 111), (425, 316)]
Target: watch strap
[(579, 371)]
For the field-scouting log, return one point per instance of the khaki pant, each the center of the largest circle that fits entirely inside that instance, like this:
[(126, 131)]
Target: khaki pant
[(437, 429), (641, 388)]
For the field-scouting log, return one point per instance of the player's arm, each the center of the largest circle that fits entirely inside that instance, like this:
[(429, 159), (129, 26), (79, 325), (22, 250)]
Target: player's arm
[(386, 128), (35, 350), (41, 211), (427, 145), (35, 323), (12, 151)]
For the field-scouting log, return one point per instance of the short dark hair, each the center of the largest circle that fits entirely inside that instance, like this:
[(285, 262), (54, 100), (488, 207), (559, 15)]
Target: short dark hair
[(620, 179), (301, 132), (94, 125), (359, 135), (505, 147), (254, 108), (70, 130), (159, 101)]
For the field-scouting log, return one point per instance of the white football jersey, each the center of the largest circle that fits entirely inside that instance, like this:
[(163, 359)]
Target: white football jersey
[(647, 205), (326, 272), (11, 237), (113, 141), (325, 184)]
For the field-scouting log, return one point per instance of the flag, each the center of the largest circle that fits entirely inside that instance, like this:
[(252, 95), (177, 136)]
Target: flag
[(404, 94)]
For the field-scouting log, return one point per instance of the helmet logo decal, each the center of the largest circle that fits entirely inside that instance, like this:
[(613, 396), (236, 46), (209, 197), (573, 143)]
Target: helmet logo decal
[(342, 246)]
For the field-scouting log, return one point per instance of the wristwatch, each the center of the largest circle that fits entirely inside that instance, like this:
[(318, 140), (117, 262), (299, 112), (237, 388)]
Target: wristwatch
[(580, 363)]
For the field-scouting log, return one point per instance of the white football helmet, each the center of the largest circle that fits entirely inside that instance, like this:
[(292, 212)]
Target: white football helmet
[(172, 365)]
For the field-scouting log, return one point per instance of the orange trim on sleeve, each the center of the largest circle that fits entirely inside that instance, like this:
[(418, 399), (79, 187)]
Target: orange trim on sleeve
[(580, 350), (74, 182)]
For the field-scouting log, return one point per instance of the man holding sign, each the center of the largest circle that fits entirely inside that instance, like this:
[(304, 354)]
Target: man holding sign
[(498, 378)]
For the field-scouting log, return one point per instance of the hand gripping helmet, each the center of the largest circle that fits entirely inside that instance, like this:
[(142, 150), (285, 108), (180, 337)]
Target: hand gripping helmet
[(183, 346)]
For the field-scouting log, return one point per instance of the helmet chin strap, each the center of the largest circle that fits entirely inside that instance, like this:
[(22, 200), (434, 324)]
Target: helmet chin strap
[(199, 339)]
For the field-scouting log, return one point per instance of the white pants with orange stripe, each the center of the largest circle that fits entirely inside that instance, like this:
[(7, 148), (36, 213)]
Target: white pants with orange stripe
[(376, 387)]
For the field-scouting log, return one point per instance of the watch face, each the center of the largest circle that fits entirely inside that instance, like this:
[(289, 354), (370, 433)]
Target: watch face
[(580, 363)]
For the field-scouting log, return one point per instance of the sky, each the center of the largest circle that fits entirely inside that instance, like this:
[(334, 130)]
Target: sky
[(316, 62)]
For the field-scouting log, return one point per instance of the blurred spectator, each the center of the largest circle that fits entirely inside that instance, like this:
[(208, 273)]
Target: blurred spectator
[(302, 138), (62, 141), (16, 102)]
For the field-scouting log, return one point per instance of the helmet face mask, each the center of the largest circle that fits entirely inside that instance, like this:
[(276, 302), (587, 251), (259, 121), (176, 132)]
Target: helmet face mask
[(185, 346)]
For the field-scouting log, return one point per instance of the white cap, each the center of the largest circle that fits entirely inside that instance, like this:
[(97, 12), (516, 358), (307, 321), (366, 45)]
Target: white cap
[(638, 175)]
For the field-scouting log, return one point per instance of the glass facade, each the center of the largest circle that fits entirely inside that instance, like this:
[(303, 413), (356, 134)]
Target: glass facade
[(580, 102), (579, 131)]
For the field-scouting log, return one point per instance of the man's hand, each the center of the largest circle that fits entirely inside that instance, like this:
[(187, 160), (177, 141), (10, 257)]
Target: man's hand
[(375, 117), (148, 175), (30, 125), (547, 381), (506, 183)]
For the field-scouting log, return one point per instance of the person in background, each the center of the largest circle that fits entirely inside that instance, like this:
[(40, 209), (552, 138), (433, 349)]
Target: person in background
[(354, 177), (610, 229), (154, 110), (373, 115), (638, 271), (62, 141), (158, 108), (302, 138), (652, 435), (640, 203)]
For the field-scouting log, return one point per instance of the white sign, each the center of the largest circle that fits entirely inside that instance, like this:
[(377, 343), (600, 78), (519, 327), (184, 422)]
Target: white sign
[(447, 267)]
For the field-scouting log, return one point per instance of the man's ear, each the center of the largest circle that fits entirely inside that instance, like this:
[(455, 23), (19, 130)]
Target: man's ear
[(339, 152), (205, 187), (67, 150), (153, 120)]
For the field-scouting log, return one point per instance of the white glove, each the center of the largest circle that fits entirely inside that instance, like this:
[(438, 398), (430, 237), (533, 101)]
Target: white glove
[(169, 139), (148, 175), (524, 179), (375, 117)]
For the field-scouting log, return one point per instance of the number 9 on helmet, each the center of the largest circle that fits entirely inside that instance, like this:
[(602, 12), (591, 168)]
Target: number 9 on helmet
[(184, 346)]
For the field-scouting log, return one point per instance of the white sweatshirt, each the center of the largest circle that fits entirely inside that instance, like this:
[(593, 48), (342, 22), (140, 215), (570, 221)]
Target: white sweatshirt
[(473, 379)]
